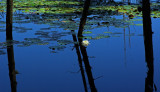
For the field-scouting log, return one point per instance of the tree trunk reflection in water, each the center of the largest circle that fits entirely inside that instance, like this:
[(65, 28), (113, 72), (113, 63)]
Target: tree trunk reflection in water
[(87, 66), (147, 32), (9, 19), (83, 49), (124, 34), (10, 52), (12, 71), (79, 60)]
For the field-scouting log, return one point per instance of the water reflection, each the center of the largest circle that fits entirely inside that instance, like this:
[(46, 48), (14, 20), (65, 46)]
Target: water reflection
[(79, 60), (83, 51), (87, 66), (10, 52), (83, 48), (147, 31), (124, 34), (12, 71), (149, 61)]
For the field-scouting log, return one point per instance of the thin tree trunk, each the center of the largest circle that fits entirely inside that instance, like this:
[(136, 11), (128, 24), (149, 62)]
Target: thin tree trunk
[(147, 32), (84, 17), (83, 49), (10, 52), (9, 20)]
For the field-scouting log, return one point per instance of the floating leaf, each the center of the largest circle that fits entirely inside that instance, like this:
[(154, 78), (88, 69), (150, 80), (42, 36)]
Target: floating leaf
[(64, 42), (139, 24), (58, 47), (87, 32), (107, 32)]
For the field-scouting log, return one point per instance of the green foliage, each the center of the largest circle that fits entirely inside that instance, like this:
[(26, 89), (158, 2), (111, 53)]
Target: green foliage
[(64, 7), (43, 6), (130, 10)]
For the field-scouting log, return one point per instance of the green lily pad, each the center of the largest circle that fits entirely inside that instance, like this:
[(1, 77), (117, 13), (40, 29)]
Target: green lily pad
[(87, 32)]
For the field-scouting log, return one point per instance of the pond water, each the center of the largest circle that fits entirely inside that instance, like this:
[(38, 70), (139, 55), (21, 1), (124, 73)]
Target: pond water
[(47, 58)]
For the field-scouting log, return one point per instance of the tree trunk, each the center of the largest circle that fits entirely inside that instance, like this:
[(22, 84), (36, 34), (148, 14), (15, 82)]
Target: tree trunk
[(9, 20), (147, 32), (84, 17)]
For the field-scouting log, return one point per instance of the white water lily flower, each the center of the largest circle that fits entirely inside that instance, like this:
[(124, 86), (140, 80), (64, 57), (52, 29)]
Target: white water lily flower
[(85, 43)]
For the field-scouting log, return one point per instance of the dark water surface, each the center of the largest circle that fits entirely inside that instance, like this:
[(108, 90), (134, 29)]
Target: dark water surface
[(49, 62)]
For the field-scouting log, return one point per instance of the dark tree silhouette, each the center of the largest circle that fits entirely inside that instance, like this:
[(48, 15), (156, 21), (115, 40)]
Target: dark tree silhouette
[(12, 71), (147, 32), (83, 49), (80, 61), (10, 52), (87, 67), (84, 17), (146, 18), (9, 19)]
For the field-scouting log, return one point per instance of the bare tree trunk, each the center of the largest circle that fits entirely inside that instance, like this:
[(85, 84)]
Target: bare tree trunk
[(147, 32), (9, 20), (10, 52), (84, 17), (147, 29), (83, 49)]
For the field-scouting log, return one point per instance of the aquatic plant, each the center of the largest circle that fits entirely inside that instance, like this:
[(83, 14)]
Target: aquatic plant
[(85, 43)]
